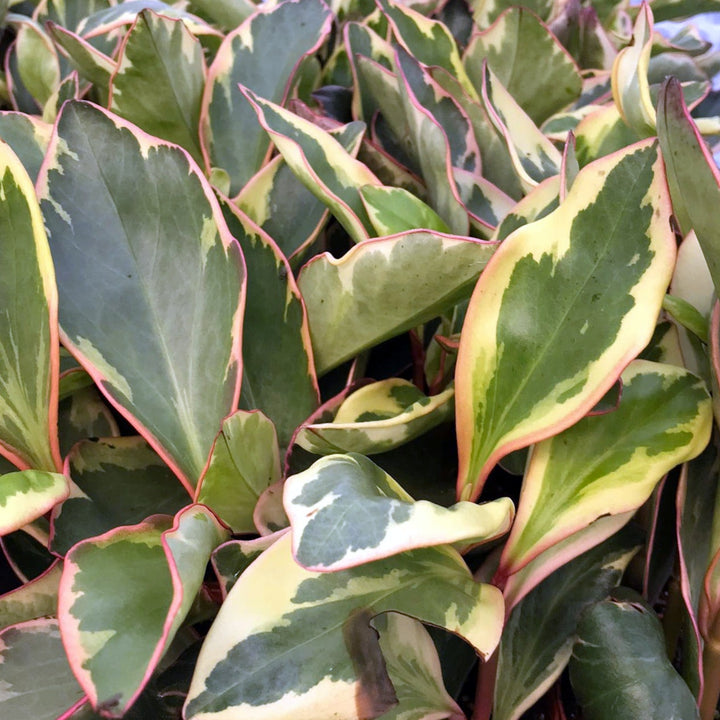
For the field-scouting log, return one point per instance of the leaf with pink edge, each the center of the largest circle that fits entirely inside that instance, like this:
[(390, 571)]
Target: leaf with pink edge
[(34, 599)]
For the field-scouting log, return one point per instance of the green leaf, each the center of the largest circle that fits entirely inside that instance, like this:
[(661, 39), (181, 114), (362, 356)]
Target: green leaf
[(345, 511), (485, 12), (620, 669), (393, 210), (679, 9), (383, 287), (28, 494), (84, 415), (278, 368), (37, 60), (116, 481), (263, 55), (29, 360), (538, 637), (528, 60), (91, 64), (663, 419), (32, 600), (377, 418), (537, 367), (539, 202), (602, 132), (123, 597), (28, 138), (244, 462), (159, 80), (157, 238), (693, 179), (37, 683), (298, 651), (687, 315)]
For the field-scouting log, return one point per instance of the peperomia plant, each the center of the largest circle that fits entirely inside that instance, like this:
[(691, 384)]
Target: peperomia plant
[(358, 359)]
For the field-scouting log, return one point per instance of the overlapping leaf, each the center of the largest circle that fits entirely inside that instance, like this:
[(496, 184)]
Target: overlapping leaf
[(34, 599)]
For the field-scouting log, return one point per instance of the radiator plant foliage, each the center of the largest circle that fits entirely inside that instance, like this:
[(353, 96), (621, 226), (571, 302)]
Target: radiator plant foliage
[(358, 360)]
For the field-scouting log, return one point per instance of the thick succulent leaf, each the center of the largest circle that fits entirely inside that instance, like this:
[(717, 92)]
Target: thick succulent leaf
[(29, 360), (528, 60), (631, 90), (414, 668), (28, 137), (245, 461), (156, 238), (321, 163), (36, 680), (485, 203), (377, 418), (91, 64), (159, 80), (693, 178), (123, 596), (534, 157), (278, 367), (383, 287), (518, 381), (263, 55), (485, 12), (602, 132), (69, 13), (82, 415), (392, 210), (32, 600), (620, 669), (539, 202), (330, 503), (573, 478), (38, 63), (304, 657), (116, 481), (28, 494), (538, 637)]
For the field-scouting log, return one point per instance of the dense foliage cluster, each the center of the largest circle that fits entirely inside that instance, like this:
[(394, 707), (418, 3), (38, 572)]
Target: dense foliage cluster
[(359, 359)]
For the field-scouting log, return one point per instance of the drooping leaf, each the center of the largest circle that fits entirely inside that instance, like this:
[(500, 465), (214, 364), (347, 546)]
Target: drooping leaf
[(116, 481), (263, 55), (619, 666), (330, 503), (663, 419), (522, 378), (304, 657), (123, 596), (159, 80), (244, 462), (28, 326), (157, 239), (383, 287)]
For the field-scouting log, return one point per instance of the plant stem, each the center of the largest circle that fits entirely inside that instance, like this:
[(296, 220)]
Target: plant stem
[(711, 680), (485, 690), (672, 618)]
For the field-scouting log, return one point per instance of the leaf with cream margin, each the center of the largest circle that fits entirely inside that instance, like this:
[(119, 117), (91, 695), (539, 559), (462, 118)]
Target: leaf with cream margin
[(28, 494), (263, 54), (485, 12), (536, 368), (330, 505), (36, 680), (534, 157), (115, 481), (123, 596), (414, 668), (164, 269), (664, 419), (540, 632), (29, 356), (321, 163), (602, 132), (485, 203), (28, 137), (539, 202), (528, 60), (278, 367), (37, 59), (630, 86), (377, 418), (392, 210), (159, 80), (289, 644), (244, 462), (693, 178), (34, 599), (91, 64), (382, 287)]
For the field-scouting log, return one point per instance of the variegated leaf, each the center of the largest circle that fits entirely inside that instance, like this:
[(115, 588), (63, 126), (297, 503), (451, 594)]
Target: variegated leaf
[(91, 64), (38, 63), (602, 132), (305, 658), (377, 418), (664, 418), (330, 503), (485, 12), (528, 60), (29, 360), (539, 202), (245, 461), (32, 600), (485, 203), (116, 481), (84, 414), (159, 80), (263, 55), (536, 368), (393, 210), (321, 163), (157, 238), (28, 137), (123, 596), (383, 287), (28, 494)]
